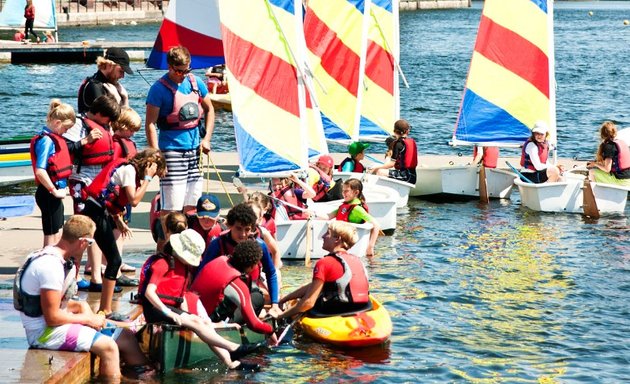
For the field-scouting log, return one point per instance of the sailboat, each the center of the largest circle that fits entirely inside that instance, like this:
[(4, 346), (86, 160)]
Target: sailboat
[(275, 121), (15, 160), (12, 15)]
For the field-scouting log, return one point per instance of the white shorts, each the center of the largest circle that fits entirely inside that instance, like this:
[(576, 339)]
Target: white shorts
[(67, 337), (183, 183)]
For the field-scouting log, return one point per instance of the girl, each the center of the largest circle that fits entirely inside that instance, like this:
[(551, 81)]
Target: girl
[(52, 166), (535, 157), (29, 15), (265, 204), (263, 233), (354, 210), (285, 190), (612, 165)]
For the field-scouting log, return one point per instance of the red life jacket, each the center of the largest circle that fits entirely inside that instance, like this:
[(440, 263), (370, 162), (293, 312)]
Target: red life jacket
[(105, 192), (226, 248), (352, 286), (358, 167), (543, 153), (410, 158), (215, 277), (323, 184), (490, 156), (288, 195), (623, 156), (100, 151), (187, 109), (59, 165), (172, 287), (343, 213), (124, 148)]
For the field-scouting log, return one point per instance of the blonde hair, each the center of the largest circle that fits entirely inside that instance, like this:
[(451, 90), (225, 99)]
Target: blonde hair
[(62, 112), (177, 56), (175, 222), (78, 226), (346, 232), (260, 199), (607, 132), (128, 120), (102, 62)]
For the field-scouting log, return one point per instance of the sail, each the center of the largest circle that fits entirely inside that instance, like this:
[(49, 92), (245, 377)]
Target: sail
[(511, 81), (12, 15), (261, 41), (334, 31), (380, 99), (195, 25)]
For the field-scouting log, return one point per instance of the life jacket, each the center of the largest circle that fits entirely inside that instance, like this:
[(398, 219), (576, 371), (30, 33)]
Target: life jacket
[(187, 110), (623, 157), (124, 148), (323, 184), (490, 156), (410, 158), (543, 153), (222, 275), (172, 287), (100, 151), (226, 248), (343, 213), (193, 223), (105, 192), (59, 165), (287, 194), (352, 286), (358, 167), (29, 304)]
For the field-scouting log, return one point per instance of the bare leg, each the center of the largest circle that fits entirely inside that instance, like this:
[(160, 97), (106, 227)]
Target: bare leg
[(129, 349), (107, 294), (107, 350)]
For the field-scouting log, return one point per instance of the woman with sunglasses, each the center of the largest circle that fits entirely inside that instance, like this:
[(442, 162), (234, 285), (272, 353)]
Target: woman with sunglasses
[(176, 104)]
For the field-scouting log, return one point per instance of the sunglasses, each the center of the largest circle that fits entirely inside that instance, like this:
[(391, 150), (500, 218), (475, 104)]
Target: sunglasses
[(181, 71), (89, 240)]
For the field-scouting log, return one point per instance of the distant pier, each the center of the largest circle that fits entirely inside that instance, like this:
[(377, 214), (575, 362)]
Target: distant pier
[(74, 52)]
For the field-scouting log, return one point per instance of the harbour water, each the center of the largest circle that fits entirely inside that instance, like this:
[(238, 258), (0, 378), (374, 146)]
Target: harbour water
[(482, 294)]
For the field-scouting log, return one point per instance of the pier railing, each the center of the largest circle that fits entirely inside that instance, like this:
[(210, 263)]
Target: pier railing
[(85, 6)]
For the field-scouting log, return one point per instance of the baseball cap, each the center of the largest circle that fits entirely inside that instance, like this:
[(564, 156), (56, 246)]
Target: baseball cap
[(540, 127), (120, 57), (208, 206), (326, 160), (357, 147)]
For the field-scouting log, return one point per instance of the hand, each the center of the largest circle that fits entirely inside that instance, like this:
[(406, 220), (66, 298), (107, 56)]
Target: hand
[(370, 251), (60, 193), (151, 169), (275, 311), (94, 135), (97, 321), (272, 340), (205, 146), (176, 318), (124, 229), (112, 91)]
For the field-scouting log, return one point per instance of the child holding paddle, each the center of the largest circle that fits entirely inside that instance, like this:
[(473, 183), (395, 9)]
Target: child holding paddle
[(52, 166)]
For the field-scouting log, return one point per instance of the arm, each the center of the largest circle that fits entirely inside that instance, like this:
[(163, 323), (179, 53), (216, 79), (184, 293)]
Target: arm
[(208, 109), (307, 301), (478, 155), (387, 165), (270, 272), (134, 196), (348, 166), (238, 291), (150, 126), (43, 177), (51, 300), (272, 246), (308, 191)]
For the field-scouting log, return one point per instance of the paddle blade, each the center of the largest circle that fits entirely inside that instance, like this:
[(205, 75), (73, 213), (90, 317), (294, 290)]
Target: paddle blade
[(589, 204), (483, 186), (14, 206)]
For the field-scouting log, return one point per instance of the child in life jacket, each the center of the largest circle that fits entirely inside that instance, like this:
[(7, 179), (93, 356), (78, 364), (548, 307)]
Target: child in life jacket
[(205, 219), (291, 193), (355, 210), (165, 297), (52, 166), (353, 163), (488, 156), (404, 160), (260, 232), (537, 165), (264, 202), (320, 178), (612, 165)]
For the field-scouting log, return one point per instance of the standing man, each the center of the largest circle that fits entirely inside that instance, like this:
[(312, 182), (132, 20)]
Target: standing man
[(176, 104), (111, 69)]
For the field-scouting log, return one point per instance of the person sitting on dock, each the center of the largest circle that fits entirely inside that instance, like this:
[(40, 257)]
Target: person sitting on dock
[(535, 160), (106, 81), (355, 210), (353, 163), (224, 285), (339, 283), (49, 38), (18, 36), (612, 165), (43, 288), (52, 166), (241, 221), (165, 298), (205, 219), (488, 156), (404, 161), (216, 80)]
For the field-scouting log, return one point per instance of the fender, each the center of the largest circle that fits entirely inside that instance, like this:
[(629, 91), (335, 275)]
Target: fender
[(543, 154), (59, 165), (490, 156), (187, 109)]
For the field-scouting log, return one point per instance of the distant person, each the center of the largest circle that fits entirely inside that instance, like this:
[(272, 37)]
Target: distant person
[(612, 164), (43, 288), (18, 36), (177, 104), (294, 192), (339, 282), (353, 163), (52, 166), (49, 38), (205, 219), (216, 80), (106, 81), (404, 157), (29, 15), (488, 156), (535, 161)]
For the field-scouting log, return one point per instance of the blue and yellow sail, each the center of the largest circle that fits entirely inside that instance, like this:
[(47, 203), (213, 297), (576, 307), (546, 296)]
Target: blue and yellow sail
[(261, 43), (511, 81)]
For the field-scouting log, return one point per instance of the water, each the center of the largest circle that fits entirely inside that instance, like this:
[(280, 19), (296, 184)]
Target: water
[(494, 294)]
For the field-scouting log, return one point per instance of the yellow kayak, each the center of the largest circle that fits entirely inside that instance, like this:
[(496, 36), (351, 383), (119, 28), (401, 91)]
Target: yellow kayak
[(360, 329)]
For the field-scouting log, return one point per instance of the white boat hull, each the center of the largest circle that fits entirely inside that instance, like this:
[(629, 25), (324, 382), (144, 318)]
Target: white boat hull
[(16, 174), (400, 188), (567, 195), (461, 181), (292, 238)]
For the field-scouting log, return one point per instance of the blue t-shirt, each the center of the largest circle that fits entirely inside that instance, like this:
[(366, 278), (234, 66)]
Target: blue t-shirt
[(162, 97), (44, 149)]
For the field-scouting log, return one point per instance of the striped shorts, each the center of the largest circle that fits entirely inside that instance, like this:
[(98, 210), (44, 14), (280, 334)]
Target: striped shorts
[(69, 337), (182, 184)]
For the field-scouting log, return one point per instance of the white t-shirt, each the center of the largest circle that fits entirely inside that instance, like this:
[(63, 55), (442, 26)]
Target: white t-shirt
[(124, 176), (532, 150), (44, 272)]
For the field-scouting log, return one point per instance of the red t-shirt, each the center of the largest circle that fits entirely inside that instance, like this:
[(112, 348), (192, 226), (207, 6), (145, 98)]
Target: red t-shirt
[(328, 269), (176, 279)]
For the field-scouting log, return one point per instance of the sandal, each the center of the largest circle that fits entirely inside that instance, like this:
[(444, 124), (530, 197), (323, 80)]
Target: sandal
[(127, 268), (126, 281)]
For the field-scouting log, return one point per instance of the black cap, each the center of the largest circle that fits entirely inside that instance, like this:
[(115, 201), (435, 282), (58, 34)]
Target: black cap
[(120, 57)]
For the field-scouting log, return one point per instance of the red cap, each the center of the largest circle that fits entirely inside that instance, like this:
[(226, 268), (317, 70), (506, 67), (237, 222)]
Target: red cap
[(326, 160)]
